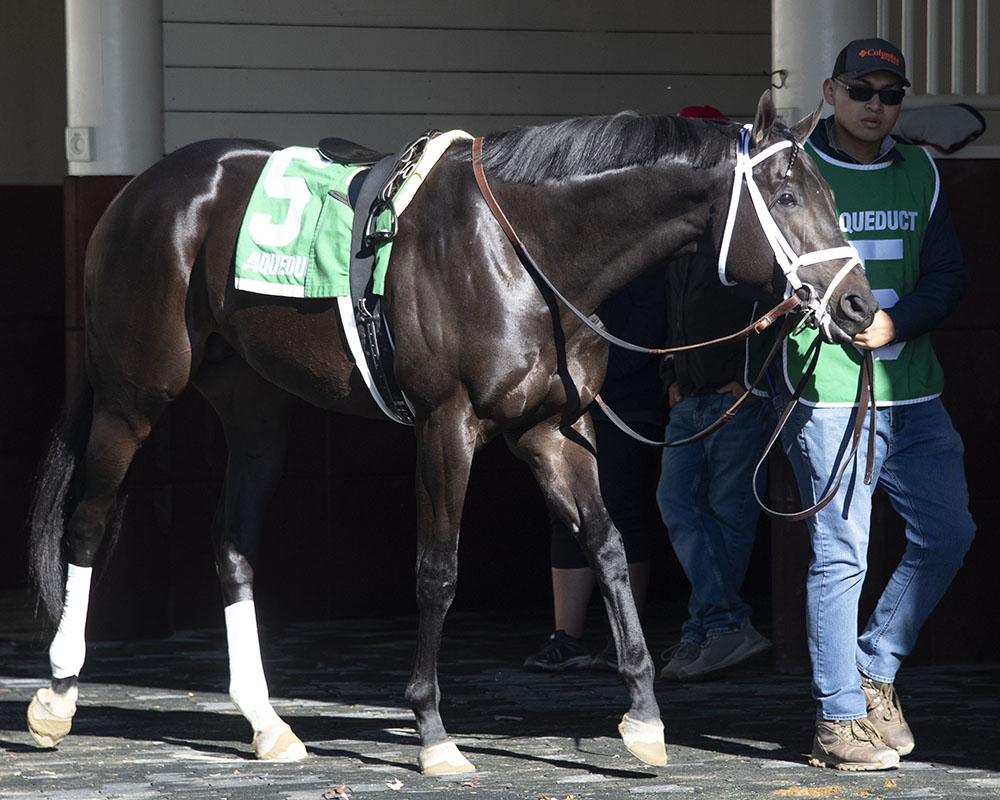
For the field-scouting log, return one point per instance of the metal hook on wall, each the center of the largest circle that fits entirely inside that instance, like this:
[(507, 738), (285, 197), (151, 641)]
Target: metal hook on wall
[(782, 75)]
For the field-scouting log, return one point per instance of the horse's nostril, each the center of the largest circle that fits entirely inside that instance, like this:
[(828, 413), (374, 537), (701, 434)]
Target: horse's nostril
[(854, 307)]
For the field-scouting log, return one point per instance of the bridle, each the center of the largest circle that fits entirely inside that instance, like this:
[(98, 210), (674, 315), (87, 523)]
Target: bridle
[(816, 308), (816, 313)]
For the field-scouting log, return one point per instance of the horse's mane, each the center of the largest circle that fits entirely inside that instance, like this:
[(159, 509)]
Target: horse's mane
[(591, 145)]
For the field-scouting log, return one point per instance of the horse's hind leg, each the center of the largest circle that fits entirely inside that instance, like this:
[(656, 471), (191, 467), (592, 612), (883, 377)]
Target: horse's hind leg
[(113, 441), (565, 466), (254, 415), (444, 458)]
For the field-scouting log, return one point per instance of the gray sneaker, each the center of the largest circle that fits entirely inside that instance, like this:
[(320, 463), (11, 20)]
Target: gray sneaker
[(852, 745), (723, 651), (886, 715), (679, 656)]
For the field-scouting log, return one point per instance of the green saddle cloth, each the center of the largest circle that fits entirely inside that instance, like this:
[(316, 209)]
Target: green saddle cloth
[(295, 240)]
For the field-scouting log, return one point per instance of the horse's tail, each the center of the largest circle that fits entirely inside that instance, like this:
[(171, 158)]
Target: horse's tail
[(57, 487)]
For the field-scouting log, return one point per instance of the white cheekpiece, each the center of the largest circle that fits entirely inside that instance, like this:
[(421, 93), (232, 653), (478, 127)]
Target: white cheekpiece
[(69, 647)]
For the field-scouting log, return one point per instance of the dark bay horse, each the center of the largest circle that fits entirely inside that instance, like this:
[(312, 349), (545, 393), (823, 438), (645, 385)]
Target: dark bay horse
[(483, 350)]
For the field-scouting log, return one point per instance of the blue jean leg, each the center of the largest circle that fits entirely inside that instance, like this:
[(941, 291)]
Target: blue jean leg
[(924, 477), (919, 463), (706, 502)]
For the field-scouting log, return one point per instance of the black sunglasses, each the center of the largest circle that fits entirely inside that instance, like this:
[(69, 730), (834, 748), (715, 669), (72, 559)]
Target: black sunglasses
[(863, 93)]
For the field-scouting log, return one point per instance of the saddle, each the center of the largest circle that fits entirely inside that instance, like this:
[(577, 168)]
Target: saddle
[(349, 153), (375, 223)]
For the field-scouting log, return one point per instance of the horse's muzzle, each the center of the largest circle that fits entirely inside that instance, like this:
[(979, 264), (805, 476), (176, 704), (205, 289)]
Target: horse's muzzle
[(851, 314), (839, 322)]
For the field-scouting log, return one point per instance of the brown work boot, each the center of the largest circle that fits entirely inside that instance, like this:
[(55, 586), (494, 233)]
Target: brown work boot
[(852, 745), (886, 715)]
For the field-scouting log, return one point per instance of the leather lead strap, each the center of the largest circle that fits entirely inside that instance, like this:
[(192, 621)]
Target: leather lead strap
[(726, 416), (866, 398)]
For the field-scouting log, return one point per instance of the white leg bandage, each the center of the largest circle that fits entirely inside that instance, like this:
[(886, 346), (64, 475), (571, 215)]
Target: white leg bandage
[(247, 685), (69, 647), (272, 738)]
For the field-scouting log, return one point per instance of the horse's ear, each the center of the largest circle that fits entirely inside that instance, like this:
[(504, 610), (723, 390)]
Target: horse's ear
[(802, 129), (765, 118)]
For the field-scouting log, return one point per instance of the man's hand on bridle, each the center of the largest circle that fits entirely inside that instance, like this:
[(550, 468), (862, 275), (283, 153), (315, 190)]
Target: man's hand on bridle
[(882, 331)]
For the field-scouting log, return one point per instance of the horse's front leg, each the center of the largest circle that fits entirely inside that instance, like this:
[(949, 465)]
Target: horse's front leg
[(256, 435), (564, 464), (444, 458)]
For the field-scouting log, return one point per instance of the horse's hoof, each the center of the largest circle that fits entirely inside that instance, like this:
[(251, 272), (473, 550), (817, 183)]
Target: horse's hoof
[(279, 745), (443, 759), (644, 740), (50, 716)]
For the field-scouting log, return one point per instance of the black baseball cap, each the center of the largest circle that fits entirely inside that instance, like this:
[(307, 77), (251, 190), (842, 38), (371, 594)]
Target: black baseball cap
[(869, 55)]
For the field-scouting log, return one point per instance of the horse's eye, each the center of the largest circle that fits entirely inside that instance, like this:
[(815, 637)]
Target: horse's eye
[(786, 199)]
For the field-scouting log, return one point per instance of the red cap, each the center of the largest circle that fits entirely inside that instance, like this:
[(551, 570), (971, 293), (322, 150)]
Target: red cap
[(702, 112)]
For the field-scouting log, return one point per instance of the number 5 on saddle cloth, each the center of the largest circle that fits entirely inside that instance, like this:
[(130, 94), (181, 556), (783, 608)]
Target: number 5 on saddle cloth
[(320, 223)]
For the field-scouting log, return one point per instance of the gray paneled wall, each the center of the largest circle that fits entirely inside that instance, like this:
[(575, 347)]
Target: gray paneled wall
[(381, 71)]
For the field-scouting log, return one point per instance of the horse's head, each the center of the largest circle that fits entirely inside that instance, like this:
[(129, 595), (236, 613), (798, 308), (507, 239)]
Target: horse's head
[(787, 221)]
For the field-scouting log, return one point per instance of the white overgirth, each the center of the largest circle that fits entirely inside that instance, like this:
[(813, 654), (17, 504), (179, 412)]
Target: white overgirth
[(432, 152)]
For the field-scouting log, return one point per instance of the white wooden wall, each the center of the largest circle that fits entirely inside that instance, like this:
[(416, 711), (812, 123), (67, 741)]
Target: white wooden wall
[(381, 71)]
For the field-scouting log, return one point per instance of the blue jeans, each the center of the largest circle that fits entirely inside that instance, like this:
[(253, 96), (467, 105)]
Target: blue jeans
[(706, 501), (918, 462)]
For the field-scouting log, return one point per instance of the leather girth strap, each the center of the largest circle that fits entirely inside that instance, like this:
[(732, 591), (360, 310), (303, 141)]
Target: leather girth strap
[(372, 330)]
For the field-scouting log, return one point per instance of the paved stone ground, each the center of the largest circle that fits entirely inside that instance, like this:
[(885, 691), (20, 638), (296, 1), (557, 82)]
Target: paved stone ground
[(156, 722)]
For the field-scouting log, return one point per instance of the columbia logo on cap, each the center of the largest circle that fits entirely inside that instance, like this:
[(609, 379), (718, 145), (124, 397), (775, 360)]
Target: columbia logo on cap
[(890, 57)]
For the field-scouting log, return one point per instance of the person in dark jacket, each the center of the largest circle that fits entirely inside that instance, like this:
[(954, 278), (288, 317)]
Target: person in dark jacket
[(705, 490)]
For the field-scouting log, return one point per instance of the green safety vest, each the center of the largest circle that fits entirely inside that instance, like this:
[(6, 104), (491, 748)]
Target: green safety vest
[(884, 209)]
